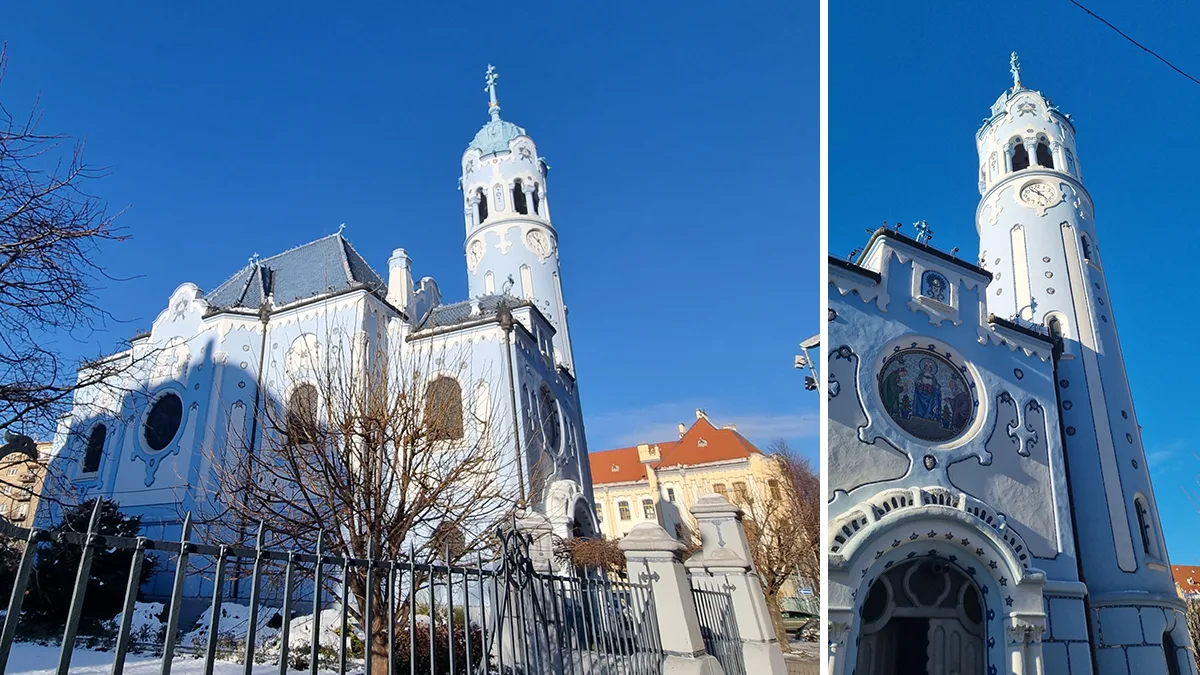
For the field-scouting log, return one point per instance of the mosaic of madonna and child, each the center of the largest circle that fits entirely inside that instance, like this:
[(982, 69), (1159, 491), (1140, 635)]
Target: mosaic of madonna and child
[(926, 394)]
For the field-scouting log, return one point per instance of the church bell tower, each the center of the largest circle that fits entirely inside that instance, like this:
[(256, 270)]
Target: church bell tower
[(511, 245), (1039, 239)]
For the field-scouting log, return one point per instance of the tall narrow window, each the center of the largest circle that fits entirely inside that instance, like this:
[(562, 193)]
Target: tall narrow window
[(773, 486), (302, 415), (599, 514), (720, 489), (481, 197), (648, 508), (671, 495), (518, 197), (1044, 158), (740, 495), (1143, 524), (1055, 327), (1020, 157), (489, 283), (537, 201), (623, 510), (526, 282), (1086, 245), (95, 449), (444, 409)]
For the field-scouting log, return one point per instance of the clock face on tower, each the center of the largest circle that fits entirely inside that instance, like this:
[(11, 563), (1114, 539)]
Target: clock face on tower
[(1040, 196)]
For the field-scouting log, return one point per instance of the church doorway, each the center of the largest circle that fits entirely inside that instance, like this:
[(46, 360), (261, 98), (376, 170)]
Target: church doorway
[(923, 617)]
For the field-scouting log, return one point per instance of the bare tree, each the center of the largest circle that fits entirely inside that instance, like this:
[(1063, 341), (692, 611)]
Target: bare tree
[(51, 232), (389, 456), (783, 527)]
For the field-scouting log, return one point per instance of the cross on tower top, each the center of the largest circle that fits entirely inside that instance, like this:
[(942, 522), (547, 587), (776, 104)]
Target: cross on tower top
[(924, 231), (493, 102), (1014, 67)]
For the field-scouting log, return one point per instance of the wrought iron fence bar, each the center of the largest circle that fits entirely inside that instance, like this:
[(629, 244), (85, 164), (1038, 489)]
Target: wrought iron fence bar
[(412, 615), (214, 616), (345, 625), (368, 613), (318, 587), (432, 620), (483, 635), (286, 611), (177, 595), (619, 619), (498, 620), (550, 597), (450, 608), (467, 619), (17, 598), (255, 586), (391, 616), (131, 591), (78, 594)]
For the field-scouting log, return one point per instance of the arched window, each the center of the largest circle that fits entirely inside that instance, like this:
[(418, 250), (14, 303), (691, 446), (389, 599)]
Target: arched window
[(623, 510), (648, 509), (518, 197), (302, 415), (1086, 245), (444, 409), (1044, 158), (1055, 327), (95, 449), (551, 426), (537, 202), (1171, 652), (773, 486), (1020, 157), (599, 513), (481, 198)]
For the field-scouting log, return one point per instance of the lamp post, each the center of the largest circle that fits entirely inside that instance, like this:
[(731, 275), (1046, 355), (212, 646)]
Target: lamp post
[(803, 360)]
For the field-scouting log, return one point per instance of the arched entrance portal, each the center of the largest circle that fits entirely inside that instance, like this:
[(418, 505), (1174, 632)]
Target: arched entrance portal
[(924, 616)]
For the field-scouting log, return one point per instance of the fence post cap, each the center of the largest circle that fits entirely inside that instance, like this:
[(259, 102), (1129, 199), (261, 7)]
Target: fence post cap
[(714, 504), (649, 537)]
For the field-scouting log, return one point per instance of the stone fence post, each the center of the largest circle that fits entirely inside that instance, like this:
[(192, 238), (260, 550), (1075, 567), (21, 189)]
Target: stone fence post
[(726, 554), (655, 553)]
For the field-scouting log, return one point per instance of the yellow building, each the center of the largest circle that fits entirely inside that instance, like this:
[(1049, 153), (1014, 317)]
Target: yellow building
[(660, 482), (20, 484)]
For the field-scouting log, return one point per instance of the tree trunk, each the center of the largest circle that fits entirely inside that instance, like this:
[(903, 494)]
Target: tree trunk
[(378, 641), (777, 621)]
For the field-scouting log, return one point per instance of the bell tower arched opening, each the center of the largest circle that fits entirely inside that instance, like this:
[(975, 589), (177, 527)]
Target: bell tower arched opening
[(924, 616)]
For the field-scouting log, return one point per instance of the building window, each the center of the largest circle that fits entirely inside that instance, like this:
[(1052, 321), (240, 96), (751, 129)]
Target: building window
[(671, 495), (1044, 158), (740, 495), (4, 510), (599, 514), (12, 470), (1055, 327), (481, 200), (162, 423), (95, 449), (678, 531), (648, 509), (1086, 245), (1020, 157), (1143, 518), (773, 486), (623, 510), (22, 513), (444, 409), (720, 489), (551, 426), (518, 197)]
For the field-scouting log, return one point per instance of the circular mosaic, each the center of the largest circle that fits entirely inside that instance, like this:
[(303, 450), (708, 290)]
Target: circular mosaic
[(926, 394)]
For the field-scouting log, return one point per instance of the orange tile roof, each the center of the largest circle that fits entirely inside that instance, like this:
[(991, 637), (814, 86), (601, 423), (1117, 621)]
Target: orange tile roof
[(1187, 577), (701, 444)]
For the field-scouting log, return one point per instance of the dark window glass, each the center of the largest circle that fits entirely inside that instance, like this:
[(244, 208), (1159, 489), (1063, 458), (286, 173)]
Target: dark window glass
[(95, 449), (1020, 158), (302, 415), (163, 421), (518, 196), (1044, 157)]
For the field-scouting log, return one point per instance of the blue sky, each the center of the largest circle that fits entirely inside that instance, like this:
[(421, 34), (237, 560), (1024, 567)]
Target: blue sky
[(683, 146), (910, 84)]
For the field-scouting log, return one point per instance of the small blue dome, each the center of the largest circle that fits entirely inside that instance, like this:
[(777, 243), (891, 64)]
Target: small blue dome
[(495, 136)]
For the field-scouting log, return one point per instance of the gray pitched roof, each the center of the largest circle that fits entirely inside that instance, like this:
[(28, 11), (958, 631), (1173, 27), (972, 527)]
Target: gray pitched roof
[(464, 312), (327, 265)]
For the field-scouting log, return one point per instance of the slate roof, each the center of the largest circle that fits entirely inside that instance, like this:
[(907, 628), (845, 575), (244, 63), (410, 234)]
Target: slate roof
[(622, 465), (462, 312), (327, 265)]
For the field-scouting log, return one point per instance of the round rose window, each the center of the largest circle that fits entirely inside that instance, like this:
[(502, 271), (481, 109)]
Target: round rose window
[(927, 395)]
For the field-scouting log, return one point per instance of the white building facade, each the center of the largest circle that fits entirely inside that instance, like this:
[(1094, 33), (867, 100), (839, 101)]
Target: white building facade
[(990, 505)]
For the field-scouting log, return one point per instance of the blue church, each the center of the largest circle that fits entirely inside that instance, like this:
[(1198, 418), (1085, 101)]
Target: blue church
[(991, 509), (211, 358)]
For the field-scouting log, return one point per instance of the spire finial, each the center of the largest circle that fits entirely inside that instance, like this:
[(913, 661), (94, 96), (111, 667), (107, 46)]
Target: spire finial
[(1014, 67), (493, 102)]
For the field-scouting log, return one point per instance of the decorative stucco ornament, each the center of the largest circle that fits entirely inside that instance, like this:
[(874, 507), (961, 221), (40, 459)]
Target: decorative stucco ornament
[(475, 255)]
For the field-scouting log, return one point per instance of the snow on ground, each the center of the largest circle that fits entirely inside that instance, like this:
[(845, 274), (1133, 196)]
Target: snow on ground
[(28, 658)]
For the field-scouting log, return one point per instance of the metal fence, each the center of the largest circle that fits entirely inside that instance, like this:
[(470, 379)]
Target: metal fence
[(507, 618), (718, 625)]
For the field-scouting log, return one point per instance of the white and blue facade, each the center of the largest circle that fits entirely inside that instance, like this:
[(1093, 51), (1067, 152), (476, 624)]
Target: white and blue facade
[(251, 341), (991, 510)]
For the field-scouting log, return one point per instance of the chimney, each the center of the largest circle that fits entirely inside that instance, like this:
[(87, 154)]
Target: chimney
[(701, 415), (400, 282), (648, 454), (682, 430)]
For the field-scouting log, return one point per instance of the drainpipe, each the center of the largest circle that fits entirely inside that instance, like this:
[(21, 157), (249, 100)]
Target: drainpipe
[(506, 324), (264, 316)]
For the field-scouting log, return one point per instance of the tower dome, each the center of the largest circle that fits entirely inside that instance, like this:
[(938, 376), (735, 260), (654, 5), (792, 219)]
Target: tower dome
[(495, 136)]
